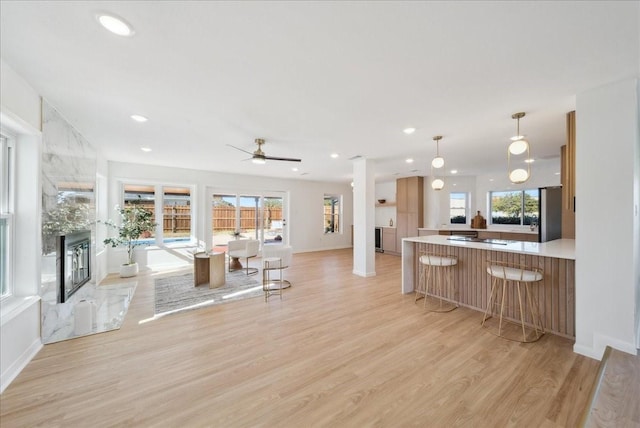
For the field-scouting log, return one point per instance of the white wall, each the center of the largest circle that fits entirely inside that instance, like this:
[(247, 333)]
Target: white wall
[(607, 140), (305, 221), (20, 314), (102, 211), (437, 201), (436, 210), (386, 215)]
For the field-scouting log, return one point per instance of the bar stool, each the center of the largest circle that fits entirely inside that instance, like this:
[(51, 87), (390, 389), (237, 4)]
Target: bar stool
[(440, 266), (275, 257), (270, 264), (518, 275)]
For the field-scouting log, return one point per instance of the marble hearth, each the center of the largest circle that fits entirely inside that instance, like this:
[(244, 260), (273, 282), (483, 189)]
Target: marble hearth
[(110, 303)]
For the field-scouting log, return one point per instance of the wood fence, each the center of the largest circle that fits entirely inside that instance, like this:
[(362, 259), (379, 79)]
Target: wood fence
[(177, 218)]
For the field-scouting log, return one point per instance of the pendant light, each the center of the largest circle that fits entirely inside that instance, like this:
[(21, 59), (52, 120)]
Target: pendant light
[(437, 164), (518, 147)]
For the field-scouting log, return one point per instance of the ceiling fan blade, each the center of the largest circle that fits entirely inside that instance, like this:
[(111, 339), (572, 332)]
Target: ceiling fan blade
[(283, 159), (242, 150)]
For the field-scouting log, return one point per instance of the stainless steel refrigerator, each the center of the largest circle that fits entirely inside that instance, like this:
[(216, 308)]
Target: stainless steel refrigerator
[(550, 209)]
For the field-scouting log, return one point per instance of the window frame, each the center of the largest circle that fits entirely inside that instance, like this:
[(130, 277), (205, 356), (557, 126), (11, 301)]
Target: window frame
[(466, 206), (523, 211), (7, 195), (326, 229), (158, 238)]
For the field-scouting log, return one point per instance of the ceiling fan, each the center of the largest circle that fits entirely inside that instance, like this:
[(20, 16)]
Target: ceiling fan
[(258, 155)]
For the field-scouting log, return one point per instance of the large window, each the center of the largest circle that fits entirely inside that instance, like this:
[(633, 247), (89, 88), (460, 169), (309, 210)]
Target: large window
[(518, 207), (458, 208), (332, 208), (176, 222), (175, 216), (6, 215), (143, 196)]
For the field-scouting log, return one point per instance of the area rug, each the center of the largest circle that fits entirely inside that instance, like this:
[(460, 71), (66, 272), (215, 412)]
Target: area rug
[(177, 293)]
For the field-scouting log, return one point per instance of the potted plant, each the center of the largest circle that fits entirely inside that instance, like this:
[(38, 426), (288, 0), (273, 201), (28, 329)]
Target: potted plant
[(135, 221)]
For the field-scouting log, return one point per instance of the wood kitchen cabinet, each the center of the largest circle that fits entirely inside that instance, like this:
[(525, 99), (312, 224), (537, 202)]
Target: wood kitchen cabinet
[(568, 179), (409, 207), (389, 240)]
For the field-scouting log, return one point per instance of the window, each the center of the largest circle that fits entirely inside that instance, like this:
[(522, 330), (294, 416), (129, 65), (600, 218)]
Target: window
[(332, 209), (176, 214), (144, 196), (458, 208), (514, 207), (6, 215)]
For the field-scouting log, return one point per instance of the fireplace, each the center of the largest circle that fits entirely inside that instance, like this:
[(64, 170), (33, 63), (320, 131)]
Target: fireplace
[(74, 262)]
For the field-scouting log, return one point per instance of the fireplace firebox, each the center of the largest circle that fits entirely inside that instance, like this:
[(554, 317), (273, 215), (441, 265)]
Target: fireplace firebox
[(74, 262)]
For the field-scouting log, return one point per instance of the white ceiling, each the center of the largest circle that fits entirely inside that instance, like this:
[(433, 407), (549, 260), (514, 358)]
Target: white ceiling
[(314, 78)]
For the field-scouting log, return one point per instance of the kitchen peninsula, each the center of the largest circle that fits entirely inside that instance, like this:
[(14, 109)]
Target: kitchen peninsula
[(555, 293)]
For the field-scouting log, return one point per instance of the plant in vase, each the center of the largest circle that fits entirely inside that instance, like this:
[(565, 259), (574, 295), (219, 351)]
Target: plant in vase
[(135, 221)]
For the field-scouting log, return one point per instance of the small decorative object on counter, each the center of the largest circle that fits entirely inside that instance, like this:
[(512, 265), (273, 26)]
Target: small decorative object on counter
[(478, 222), (390, 222)]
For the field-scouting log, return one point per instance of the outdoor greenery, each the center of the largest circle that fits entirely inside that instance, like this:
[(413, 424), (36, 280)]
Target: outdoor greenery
[(70, 214), (507, 208), (135, 221), (459, 219)]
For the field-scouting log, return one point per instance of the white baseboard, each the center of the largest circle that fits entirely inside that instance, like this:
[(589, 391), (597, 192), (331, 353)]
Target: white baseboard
[(600, 342), (17, 366), (363, 274)]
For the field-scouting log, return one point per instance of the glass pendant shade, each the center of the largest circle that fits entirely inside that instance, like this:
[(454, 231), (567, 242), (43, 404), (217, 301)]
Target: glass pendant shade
[(258, 161), (518, 176), (437, 163), (518, 153), (437, 184), (518, 147)]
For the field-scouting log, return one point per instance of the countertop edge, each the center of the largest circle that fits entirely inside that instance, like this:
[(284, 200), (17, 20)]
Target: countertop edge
[(559, 248)]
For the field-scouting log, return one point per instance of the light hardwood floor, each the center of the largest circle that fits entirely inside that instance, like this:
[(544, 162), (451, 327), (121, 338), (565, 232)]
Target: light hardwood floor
[(338, 350)]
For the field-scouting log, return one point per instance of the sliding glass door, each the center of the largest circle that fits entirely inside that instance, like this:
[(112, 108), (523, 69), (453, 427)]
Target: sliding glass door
[(247, 216)]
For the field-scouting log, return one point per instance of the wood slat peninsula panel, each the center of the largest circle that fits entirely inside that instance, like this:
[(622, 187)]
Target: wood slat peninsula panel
[(555, 293)]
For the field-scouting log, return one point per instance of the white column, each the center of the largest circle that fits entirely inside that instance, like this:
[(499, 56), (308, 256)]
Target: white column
[(364, 260), (607, 219)]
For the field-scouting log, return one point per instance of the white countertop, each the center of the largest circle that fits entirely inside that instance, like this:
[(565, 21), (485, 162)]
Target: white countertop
[(559, 248), (489, 229)]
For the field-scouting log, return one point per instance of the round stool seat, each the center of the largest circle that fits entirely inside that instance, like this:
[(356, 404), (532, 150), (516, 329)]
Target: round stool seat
[(528, 327), (514, 274), (435, 271), (431, 260)]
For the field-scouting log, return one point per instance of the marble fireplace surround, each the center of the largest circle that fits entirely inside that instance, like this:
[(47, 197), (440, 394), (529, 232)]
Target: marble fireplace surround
[(69, 181)]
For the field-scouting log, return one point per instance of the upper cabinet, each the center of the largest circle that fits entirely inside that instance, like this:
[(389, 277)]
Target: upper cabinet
[(409, 207), (568, 179)]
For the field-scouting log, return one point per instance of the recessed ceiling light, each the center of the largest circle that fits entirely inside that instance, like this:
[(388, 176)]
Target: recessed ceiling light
[(491, 179), (294, 169), (334, 155), (409, 160), (454, 171), (409, 131), (455, 184), (529, 160), (116, 25), (145, 149), (139, 118), (556, 173)]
